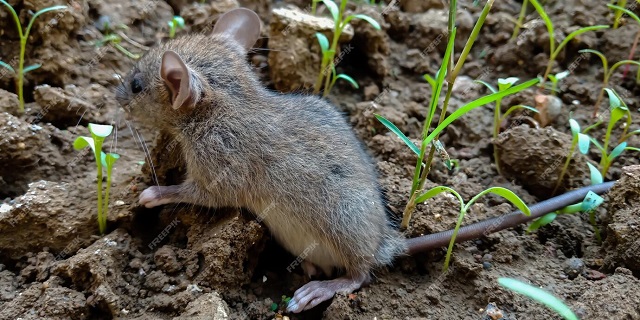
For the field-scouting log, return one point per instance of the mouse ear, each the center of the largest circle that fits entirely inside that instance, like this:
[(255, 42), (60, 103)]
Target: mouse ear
[(241, 24), (177, 77)]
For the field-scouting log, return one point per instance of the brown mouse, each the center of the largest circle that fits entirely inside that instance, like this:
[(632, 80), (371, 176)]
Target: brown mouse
[(293, 160), (246, 146)]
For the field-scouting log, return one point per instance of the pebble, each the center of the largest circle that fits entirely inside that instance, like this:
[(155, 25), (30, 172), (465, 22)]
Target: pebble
[(487, 257), (486, 265), (573, 267)]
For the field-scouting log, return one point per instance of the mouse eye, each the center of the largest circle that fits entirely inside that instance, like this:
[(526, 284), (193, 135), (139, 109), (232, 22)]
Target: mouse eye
[(136, 86)]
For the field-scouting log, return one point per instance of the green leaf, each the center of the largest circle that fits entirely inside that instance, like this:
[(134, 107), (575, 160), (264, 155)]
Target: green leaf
[(629, 12), (179, 20), (436, 191), (542, 221), (562, 75), (348, 79), (507, 194), (632, 149), (398, 133), (323, 41), (109, 159), (83, 142), (605, 63), (333, 8), (575, 127), (575, 34), (520, 106), (430, 80), (31, 68), (507, 83), (476, 103), (597, 144), (45, 10), (614, 100), (591, 201), (546, 20), (486, 84), (364, 17), (539, 295), (583, 143), (596, 176), (7, 66), (274, 307), (617, 151), (100, 130), (553, 78)]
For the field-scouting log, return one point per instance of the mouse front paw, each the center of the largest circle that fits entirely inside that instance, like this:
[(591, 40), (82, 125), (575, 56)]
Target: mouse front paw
[(156, 196)]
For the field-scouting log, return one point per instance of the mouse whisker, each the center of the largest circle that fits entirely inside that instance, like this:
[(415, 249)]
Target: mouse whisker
[(136, 134)]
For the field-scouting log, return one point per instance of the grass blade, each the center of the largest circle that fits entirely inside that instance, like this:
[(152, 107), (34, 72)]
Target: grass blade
[(363, 17), (398, 133), (542, 221), (507, 194), (323, 41), (333, 8), (583, 143), (575, 34), (539, 295), (7, 66), (435, 191), (596, 176), (348, 79)]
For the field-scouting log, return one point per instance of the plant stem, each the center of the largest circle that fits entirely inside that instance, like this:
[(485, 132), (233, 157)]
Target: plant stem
[(596, 107), (631, 53), (523, 11), (98, 150), (20, 73), (106, 200), (496, 131), (574, 143)]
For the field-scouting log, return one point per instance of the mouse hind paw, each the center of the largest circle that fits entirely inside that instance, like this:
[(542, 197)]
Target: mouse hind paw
[(316, 292)]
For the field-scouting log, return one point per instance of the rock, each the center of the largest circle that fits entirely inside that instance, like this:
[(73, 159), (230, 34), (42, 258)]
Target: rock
[(166, 260), (51, 301), (209, 306), (615, 297), (9, 102), (573, 267), (622, 243), (492, 312), (64, 107), (535, 158), (201, 17), (45, 217), (294, 52)]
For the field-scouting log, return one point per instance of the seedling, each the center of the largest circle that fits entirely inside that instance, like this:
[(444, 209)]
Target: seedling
[(24, 36), (608, 72), (618, 12), (618, 111), (114, 36), (579, 140), (620, 9), (555, 80), (589, 204), (174, 24), (555, 50), (523, 12), (464, 208), (498, 118), (95, 142), (447, 68), (539, 295), (327, 75), (284, 302)]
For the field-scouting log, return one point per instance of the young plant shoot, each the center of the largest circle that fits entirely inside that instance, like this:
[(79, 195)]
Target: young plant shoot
[(539, 295), (24, 36), (448, 71), (327, 75), (556, 49), (618, 111), (114, 37), (95, 142), (498, 118), (608, 72), (579, 140), (464, 208), (174, 24)]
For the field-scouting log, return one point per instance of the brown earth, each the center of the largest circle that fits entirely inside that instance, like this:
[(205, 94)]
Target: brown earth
[(184, 262)]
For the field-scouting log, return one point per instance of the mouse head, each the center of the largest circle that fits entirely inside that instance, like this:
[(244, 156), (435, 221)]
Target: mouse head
[(194, 73)]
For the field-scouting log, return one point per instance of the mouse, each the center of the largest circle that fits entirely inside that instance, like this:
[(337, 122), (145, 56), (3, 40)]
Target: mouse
[(291, 159)]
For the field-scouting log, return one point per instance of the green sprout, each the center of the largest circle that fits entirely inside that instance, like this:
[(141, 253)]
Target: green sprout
[(175, 23), (114, 36), (618, 12), (464, 208), (498, 118), (95, 142), (618, 110), (327, 73), (635, 17), (324, 46), (555, 80), (24, 36), (449, 72), (589, 204), (608, 72), (537, 294), (579, 140), (555, 49), (523, 12)]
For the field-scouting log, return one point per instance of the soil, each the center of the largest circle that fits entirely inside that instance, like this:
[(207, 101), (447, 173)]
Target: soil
[(185, 262)]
